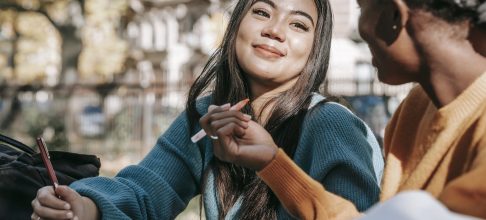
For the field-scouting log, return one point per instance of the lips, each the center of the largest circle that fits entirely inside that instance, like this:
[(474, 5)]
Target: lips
[(269, 50)]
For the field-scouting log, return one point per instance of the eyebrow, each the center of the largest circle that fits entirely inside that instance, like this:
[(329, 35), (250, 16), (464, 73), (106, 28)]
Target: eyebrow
[(293, 12)]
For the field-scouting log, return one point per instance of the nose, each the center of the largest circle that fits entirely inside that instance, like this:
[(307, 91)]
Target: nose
[(274, 30)]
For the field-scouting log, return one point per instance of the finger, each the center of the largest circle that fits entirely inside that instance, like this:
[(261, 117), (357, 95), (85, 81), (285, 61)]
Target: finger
[(231, 129), (230, 114), (227, 147), (49, 213), (206, 119), (215, 108), (46, 197), (67, 194), (225, 141), (216, 125)]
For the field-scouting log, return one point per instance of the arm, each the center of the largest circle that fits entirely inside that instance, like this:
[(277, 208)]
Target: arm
[(301, 195), (157, 188), (338, 150), (467, 193)]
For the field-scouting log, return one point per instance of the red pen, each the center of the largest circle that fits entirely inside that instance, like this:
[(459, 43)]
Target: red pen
[(47, 162)]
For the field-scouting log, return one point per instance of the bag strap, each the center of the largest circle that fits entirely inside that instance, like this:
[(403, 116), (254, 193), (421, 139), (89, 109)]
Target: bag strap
[(16, 144), (316, 98)]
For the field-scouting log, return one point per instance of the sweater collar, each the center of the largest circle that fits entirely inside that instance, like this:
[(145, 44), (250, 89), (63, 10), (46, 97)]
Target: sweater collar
[(467, 102)]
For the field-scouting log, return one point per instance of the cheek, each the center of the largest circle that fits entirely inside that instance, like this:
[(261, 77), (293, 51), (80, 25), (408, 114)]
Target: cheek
[(366, 26), (241, 43), (302, 48)]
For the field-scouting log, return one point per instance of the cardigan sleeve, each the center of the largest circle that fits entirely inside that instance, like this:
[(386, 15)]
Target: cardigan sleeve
[(467, 193), (159, 187), (301, 195), (336, 169)]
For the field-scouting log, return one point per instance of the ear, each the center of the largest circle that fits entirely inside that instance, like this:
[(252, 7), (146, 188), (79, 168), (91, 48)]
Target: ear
[(392, 19)]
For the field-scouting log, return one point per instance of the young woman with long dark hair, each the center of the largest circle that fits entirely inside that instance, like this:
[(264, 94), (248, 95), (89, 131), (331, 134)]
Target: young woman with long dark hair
[(276, 53), (435, 141)]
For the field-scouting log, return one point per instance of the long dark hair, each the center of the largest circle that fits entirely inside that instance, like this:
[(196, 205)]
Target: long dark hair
[(226, 82)]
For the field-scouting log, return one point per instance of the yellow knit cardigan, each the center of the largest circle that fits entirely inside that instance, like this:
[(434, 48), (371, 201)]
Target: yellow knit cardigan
[(442, 151)]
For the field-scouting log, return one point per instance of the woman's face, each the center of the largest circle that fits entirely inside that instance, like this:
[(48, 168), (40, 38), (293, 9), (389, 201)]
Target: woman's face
[(275, 39), (394, 53)]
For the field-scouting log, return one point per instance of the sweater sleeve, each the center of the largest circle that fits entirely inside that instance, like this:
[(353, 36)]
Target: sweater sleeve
[(467, 193), (301, 195), (341, 164), (159, 187)]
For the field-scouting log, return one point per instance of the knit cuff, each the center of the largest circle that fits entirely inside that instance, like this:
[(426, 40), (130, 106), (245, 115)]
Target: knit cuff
[(288, 181)]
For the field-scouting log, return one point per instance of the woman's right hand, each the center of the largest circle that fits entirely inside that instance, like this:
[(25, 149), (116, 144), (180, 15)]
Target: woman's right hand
[(70, 205)]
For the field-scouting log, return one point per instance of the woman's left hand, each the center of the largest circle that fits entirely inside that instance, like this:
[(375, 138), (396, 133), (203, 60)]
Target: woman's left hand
[(240, 140), (254, 148)]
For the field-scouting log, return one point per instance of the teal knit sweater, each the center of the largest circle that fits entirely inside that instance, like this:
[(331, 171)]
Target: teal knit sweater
[(336, 148)]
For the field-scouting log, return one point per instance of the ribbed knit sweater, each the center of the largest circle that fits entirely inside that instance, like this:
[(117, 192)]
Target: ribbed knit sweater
[(442, 151), (336, 148)]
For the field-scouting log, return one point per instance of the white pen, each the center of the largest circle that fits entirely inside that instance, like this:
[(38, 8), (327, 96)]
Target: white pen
[(201, 133)]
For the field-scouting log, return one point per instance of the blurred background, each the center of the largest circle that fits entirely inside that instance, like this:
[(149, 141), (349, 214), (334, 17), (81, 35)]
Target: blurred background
[(107, 77)]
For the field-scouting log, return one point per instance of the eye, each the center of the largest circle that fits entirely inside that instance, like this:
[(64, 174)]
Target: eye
[(261, 12), (300, 26)]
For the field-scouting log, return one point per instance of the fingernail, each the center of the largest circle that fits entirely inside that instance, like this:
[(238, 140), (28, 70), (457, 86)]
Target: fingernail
[(225, 106), (69, 215), (247, 116), (67, 206)]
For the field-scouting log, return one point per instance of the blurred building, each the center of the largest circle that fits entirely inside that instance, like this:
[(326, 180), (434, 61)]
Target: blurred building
[(108, 76)]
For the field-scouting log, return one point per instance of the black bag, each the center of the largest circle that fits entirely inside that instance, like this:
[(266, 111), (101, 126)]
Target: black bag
[(22, 173)]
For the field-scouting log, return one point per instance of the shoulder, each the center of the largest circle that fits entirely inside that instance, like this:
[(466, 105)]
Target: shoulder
[(333, 137), (411, 110), (332, 114), (416, 100), (202, 104), (332, 126)]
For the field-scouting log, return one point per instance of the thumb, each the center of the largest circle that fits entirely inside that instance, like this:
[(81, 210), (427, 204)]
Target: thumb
[(67, 194)]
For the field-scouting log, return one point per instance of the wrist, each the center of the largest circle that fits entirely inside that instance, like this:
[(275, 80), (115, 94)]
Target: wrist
[(272, 154), (91, 210)]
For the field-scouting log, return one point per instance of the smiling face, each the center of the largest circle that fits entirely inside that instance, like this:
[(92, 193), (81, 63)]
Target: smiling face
[(275, 39), (383, 26)]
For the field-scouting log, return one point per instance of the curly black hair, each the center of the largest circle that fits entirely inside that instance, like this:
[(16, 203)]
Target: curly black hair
[(453, 10)]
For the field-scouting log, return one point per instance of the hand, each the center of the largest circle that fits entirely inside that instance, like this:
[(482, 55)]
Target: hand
[(240, 140), (254, 148), (47, 205)]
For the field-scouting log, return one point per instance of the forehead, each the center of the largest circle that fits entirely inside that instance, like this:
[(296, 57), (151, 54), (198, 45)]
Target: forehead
[(307, 6)]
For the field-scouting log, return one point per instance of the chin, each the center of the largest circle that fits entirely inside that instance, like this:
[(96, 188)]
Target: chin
[(391, 79)]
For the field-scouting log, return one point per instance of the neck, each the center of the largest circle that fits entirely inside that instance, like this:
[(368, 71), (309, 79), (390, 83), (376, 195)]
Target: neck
[(451, 70), (451, 61), (263, 97)]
